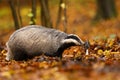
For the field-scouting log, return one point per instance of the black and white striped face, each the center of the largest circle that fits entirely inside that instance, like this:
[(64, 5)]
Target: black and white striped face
[(72, 38)]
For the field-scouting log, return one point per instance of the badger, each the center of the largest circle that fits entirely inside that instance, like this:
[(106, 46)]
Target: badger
[(34, 40)]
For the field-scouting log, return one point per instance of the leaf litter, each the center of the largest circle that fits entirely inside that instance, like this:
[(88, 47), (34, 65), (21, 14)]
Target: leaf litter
[(102, 62)]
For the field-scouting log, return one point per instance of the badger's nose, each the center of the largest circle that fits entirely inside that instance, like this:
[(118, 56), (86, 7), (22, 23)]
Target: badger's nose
[(86, 46)]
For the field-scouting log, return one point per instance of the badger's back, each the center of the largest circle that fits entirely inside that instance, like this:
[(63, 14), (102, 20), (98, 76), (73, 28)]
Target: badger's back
[(33, 40)]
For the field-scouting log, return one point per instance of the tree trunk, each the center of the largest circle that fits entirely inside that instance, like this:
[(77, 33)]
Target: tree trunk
[(65, 17), (62, 11), (106, 9), (19, 13), (14, 14), (59, 15), (33, 18), (45, 14)]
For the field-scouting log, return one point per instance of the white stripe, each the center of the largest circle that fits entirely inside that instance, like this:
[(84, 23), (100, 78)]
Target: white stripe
[(70, 41)]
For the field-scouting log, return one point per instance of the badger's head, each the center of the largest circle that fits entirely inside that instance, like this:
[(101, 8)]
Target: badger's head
[(72, 39)]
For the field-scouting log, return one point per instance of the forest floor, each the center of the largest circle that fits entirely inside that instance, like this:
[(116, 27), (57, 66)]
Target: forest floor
[(102, 63)]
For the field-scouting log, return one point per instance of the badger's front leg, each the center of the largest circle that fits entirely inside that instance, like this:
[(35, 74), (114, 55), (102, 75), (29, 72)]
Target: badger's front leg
[(9, 55)]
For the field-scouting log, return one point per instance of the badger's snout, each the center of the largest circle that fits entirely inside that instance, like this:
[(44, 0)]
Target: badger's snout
[(35, 40)]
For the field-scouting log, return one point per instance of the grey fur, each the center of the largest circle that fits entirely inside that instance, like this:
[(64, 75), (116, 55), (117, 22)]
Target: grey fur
[(34, 40)]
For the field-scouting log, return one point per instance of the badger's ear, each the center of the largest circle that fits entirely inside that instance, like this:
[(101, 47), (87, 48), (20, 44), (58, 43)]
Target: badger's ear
[(72, 38)]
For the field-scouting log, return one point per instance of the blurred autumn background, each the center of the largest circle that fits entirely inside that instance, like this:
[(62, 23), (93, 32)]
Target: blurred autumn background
[(95, 20)]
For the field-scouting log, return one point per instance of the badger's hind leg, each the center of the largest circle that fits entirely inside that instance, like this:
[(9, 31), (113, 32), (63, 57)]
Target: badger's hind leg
[(16, 54), (9, 55)]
